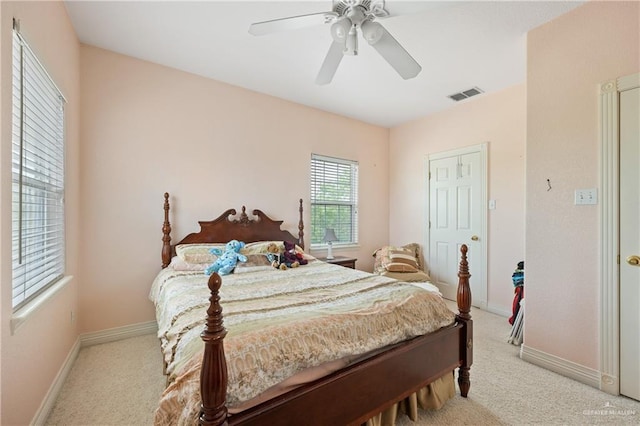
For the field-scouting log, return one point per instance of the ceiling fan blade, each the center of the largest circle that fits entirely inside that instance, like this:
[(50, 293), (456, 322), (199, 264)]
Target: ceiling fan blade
[(330, 64), (389, 48), (382, 9), (291, 23)]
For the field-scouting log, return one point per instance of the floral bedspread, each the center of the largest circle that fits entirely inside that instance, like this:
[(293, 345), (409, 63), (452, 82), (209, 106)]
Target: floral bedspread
[(280, 323)]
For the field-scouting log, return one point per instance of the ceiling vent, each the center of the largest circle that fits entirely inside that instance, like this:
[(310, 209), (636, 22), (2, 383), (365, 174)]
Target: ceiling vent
[(466, 94)]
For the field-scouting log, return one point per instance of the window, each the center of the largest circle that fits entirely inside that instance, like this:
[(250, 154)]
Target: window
[(37, 177), (334, 199)]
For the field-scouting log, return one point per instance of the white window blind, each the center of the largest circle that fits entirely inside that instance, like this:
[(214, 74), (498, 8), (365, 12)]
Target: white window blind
[(334, 199), (37, 177)]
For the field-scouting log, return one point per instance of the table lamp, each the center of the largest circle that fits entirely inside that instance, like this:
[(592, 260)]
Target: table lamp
[(329, 238)]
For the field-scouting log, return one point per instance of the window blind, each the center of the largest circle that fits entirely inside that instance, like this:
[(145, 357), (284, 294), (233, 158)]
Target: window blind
[(334, 198), (37, 177)]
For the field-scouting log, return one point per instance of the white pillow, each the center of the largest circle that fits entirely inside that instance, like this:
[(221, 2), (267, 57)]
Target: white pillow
[(178, 264), (197, 253)]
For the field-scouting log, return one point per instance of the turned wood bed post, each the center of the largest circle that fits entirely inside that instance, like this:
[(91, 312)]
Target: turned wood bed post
[(464, 316), (166, 234), (301, 228), (213, 374)]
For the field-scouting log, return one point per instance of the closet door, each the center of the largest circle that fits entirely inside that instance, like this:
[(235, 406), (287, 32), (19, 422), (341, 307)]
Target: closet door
[(630, 243), (457, 216)]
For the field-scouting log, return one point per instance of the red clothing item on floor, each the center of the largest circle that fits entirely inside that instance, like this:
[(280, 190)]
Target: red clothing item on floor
[(516, 303)]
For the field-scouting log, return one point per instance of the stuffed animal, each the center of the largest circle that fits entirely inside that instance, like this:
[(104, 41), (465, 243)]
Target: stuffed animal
[(273, 255), (227, 260), (291, 258)]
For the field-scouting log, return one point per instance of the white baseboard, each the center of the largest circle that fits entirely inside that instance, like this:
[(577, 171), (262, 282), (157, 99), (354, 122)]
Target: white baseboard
[(52, 394), (567, 368), (480, 304), (542, 359), (87, 339), (499, 311), (118, 333)]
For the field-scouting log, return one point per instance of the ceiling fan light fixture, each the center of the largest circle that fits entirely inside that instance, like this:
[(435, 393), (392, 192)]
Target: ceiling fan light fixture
[(351, 45), (372, 32), (347, 18), (340, 29), (377, 8)]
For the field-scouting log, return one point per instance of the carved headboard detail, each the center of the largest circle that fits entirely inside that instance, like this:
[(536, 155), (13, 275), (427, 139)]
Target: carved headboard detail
[(225, 227)]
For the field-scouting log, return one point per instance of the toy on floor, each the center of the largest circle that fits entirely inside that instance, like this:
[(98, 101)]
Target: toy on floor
[(227, 260)]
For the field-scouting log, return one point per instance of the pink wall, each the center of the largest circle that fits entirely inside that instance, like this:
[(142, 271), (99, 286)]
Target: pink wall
[(147, 129), (32, 356), (567, 60), (497, 118)]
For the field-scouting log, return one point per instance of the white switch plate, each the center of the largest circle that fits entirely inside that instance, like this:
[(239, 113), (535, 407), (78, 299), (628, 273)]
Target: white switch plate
[(586, 196), (492, 204)]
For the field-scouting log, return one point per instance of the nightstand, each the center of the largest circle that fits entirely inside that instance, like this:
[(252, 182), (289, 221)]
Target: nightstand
[(347, 262)]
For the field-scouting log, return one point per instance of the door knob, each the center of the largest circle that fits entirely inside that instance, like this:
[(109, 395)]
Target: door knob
[(475, 238), (633, 260)]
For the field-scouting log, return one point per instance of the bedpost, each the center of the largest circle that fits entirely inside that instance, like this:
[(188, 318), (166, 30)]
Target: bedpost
[(166, 234), (464, 291), (301, 228), (464, 316), (213, 374)]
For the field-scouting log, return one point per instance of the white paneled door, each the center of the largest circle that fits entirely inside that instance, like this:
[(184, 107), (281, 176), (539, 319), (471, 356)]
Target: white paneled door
[(457, 216), (630, 243)]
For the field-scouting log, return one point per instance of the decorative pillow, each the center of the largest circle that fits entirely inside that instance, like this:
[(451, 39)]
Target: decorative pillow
[(180, 265), (400, 260), (417, 252), (197, 253), (377, 261)]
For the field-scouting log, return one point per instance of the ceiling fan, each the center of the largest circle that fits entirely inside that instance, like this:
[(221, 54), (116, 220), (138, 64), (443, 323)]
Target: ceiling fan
[(346, 18)]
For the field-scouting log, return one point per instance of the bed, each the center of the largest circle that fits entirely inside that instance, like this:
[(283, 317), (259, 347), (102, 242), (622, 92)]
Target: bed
[(355, 390)]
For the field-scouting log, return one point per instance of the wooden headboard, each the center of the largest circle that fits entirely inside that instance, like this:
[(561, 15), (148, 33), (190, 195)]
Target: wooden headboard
[(224, 228)]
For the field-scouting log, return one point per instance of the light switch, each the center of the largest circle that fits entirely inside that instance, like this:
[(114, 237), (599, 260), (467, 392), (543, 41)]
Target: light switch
[(492, 204), (586, 196)]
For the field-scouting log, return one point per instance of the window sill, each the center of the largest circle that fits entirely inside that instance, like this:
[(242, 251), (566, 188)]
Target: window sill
[(324, 247), (23, 314)]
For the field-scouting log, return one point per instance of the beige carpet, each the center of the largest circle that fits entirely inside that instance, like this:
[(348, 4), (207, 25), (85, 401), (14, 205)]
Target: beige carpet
[(115, 383), (119, 384)]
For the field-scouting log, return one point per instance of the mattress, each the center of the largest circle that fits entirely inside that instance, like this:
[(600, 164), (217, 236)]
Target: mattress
[(282, 324)]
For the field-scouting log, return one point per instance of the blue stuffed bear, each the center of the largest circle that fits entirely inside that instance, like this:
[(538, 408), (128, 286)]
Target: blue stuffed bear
[(227, 260)]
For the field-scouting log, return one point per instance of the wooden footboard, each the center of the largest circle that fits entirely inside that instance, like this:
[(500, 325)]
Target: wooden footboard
[(372, 385)]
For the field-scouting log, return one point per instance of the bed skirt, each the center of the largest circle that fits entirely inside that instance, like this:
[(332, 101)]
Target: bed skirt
[(431, 397)]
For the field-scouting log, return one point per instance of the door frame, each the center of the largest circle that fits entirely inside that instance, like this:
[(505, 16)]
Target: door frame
[(479, 300), (609, 107)]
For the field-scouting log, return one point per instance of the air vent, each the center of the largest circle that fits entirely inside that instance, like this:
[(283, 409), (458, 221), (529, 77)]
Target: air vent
[(465, 94)]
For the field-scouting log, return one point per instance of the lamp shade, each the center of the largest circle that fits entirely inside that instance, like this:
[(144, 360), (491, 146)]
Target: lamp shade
[(329, 235), (372, 31), (329, 238), (340, 29)]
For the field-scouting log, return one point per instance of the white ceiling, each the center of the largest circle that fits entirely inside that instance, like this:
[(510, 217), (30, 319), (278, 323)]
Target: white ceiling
[(459, 45)]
